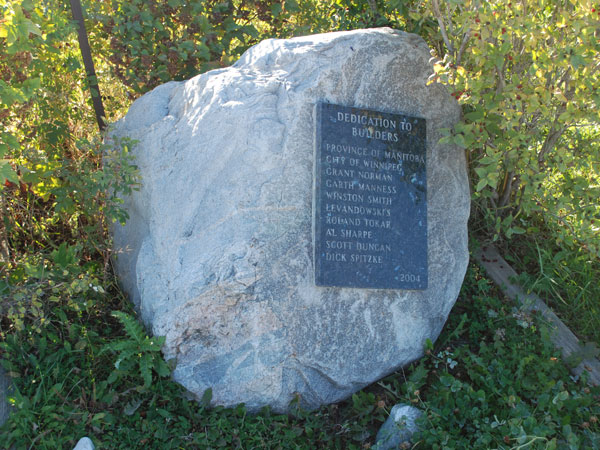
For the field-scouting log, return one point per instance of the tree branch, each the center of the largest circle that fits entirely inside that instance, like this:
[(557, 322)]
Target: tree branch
[(463, 44), (438, 16), (507, 190), (501, 83), (551, 139)]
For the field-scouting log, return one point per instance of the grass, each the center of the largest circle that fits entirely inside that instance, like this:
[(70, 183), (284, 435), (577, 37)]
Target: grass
[(491, 381), (564, 276)]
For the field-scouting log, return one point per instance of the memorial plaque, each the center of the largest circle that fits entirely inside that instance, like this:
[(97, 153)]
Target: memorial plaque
[(370, 199)]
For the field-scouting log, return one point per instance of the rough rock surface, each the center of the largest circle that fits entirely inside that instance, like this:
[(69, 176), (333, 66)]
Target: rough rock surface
[(398, 428), (217, 254)]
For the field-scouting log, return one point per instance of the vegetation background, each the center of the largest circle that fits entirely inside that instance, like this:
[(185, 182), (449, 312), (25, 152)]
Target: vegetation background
[(526, 74)]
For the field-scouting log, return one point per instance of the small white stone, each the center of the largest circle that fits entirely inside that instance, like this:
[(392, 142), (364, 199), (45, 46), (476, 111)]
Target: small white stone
[(398, 428), (85, 443)]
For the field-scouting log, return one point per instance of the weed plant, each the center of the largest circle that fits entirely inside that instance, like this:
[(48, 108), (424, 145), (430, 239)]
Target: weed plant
[(493, 380), (82, 365), (564, 275)]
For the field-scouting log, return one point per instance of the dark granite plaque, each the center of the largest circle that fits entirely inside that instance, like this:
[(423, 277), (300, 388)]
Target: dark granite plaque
[(370, 199)]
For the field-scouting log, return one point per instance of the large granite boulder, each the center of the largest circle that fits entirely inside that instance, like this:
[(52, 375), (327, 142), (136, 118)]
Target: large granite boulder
[(218, 252)]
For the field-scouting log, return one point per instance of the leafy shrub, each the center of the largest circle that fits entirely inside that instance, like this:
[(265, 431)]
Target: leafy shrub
[(59, 185), (154, 42), (53, 180), (562, 276), (494, 380), (525, 76)]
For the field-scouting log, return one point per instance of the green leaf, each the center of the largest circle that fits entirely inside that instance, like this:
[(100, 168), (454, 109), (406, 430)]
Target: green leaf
[(162, 368), (31, 86), (10, 95), (446, 140), (518, 230), (577, 61), (132, 406), (124, 356), (428, 344), (206, 398), (164, 413), (98, 416), (276, 9), (459, 140), (481, 184), (474, 116), (133, 329), (10, 140), (65, 255), (447, 380), (560, 397), (112, 377), (7, 172), (291, 6), (419, 375), (481, 171)]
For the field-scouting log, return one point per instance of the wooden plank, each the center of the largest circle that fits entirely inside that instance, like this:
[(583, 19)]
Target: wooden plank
[(563, 338)]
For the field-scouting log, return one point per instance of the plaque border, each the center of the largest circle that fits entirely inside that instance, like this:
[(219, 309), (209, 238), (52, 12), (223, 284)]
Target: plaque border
[(317, 226)]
